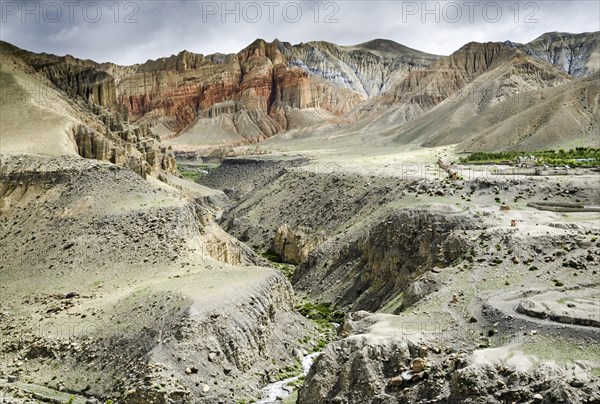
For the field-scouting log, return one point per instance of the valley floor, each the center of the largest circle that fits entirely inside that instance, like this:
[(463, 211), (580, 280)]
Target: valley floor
[(496, 299), (115, 287)]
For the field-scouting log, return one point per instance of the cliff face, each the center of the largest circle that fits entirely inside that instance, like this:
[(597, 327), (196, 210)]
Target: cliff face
[(176, 87), (368, 69), (264, 89), (377, 262), (135, 148), (294, 245), (407, 366), (251, 93), (92, 123), (77, 78), (576, 54)]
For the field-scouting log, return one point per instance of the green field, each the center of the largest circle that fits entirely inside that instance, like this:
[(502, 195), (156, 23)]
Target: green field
[(550, 157)]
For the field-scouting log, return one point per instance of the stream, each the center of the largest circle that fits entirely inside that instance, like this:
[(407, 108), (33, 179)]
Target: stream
[(276, 390)]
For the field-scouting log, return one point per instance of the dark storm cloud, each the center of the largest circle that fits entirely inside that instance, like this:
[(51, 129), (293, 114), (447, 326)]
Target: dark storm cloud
[(134, 31)]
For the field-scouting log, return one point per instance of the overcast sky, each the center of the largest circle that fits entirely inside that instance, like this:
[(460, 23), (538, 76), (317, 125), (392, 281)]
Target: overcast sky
[(128, 32)]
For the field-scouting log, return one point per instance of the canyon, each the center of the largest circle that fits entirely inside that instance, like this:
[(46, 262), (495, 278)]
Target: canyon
[(194, 229)]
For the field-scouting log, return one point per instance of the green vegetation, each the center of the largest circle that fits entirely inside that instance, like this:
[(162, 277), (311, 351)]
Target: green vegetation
[(323, 313), (271, 256), (193, 172), (324, 316), (561, 350), (550, 157), (289, 371), (274, 260), (286, 269), (298, 382), (190, 175)]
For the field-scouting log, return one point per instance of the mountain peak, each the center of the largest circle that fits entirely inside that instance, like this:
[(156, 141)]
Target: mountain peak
[(576, 54), (388, 47), (555, 35)]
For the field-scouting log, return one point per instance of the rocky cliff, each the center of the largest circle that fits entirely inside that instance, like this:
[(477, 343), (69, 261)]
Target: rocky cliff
[(294, 245), (91, 122), (269, 88), (76, 77), (250, 95), (133, 147), (369, 69), (375, 263), (405, 366)]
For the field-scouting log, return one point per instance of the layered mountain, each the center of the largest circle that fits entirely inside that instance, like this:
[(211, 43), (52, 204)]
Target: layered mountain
[(263, 90), (369, 69), (378, 92), (488, 96), (57, 106), (576, 54)]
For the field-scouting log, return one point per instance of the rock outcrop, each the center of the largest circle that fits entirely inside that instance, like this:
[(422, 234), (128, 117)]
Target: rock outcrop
[(366, 267), (76, 77), (408, 368), (135, 148), (294, 245)]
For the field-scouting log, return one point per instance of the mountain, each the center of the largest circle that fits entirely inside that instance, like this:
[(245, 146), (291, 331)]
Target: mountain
[(378, 92), (519, 103), (65, 107), (486, 96), (265, 89), (369, 69), (246, 97), (576, 54)]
